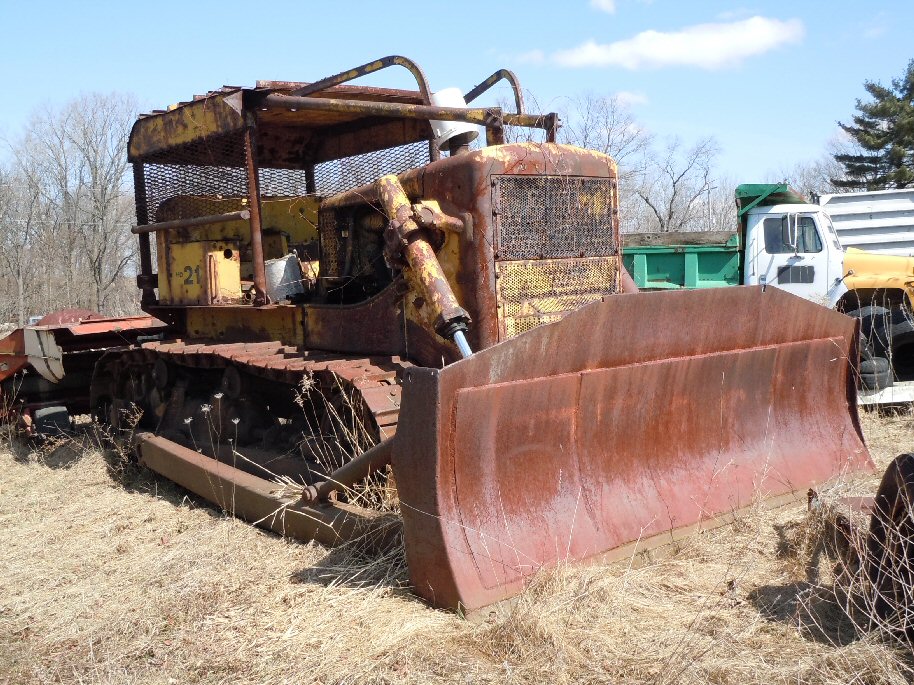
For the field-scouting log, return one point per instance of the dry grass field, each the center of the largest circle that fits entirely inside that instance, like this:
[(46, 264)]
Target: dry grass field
[(111, 575)]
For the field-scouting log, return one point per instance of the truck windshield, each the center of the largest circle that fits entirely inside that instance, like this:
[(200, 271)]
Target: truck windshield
[(807, 235)]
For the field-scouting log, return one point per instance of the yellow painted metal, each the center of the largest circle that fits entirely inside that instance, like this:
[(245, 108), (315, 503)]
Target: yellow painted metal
[(287, 222), (535, 292), (275, 244), (281, 322), (188, 123), (879, 272), (295, 216), (199, 272)]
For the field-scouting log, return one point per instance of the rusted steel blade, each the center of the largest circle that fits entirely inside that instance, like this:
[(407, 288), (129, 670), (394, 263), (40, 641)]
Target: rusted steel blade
[(630, 418)]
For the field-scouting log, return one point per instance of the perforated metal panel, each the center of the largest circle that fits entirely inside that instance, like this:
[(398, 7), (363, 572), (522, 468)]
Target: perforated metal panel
[(535, 292), (352, 172), (331, 244), (200, 174), (546, 217)]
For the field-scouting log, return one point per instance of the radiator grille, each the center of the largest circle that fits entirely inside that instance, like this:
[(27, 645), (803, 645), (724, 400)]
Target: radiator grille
[(548, 217), (536, 292)]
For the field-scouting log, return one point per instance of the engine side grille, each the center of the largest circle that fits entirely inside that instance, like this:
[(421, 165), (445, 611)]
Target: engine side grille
[(557, 247), (536, 292), (549, 217)]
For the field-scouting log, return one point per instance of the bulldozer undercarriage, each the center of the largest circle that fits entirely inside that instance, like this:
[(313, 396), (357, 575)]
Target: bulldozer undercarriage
[(280, 412)]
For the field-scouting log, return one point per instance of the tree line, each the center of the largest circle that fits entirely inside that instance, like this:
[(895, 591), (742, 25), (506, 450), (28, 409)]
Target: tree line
[(66, 205)]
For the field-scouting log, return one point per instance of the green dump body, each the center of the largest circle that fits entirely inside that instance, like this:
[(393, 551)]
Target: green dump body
[(712, 260)]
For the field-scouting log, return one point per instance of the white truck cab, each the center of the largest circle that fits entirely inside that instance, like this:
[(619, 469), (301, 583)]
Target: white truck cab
[(792, 244), (794, 247)]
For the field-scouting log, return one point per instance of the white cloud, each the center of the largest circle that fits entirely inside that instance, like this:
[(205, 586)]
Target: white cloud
[(608, 6), (630, 99), (707, 46), (734, 14)]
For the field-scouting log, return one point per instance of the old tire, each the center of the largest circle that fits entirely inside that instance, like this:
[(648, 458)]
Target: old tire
[(901, 338), (875, 373), (875, 327), (866, 352), (890, 550)]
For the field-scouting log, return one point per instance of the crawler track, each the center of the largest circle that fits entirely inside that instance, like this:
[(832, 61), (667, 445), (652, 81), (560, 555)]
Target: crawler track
[(274, 399)]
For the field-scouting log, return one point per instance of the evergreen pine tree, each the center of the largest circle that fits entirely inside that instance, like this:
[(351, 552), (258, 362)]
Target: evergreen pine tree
[(884, 133)]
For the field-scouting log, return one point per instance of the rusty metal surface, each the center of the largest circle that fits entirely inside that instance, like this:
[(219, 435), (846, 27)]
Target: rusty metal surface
[(535, 292), (463, 187), (253, 498), (74, 341), (890, 549), (370, 68), (250, 163), (350, 473), (408, 244), (508, 76), (374, 378), (243, 214), (630, 417), (13, 358), (68, 316)]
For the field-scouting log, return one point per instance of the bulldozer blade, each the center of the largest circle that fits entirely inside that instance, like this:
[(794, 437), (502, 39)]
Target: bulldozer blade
[(630, 422)]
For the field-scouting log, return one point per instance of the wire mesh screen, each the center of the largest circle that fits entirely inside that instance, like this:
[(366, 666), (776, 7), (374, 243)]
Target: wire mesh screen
[(194, 180), (554, 216), (209, 177), (536, 292), (352, 172)]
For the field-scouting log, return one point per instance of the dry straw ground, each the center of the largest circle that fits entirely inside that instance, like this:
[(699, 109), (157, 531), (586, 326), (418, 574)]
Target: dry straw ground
[(123, 578)]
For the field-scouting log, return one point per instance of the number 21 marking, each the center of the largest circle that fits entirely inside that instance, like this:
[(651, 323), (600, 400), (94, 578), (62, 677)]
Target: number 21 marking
[(190, 272)]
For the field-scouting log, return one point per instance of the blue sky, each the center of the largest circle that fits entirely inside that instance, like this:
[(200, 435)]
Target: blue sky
[(768, 79)]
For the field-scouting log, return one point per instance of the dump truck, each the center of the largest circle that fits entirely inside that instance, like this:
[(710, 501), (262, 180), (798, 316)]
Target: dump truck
[(784, 241), (878, 221), (374, 303)]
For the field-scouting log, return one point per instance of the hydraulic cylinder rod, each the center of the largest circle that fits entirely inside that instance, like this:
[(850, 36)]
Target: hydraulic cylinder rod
[(406, 242)]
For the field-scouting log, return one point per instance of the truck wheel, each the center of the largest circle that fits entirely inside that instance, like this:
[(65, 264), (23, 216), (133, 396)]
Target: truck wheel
[(875, 373)]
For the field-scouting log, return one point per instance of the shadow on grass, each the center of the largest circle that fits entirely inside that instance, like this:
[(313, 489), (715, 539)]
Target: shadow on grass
[(375, 560), (813, 609), (56, 452)]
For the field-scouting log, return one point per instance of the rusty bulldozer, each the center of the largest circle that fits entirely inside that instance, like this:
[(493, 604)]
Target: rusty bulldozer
[(371, 286)]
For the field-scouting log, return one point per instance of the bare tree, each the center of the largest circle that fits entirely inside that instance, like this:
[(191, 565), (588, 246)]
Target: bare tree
[(673, 184), (606, 124), (76, 160), (21, 215)]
